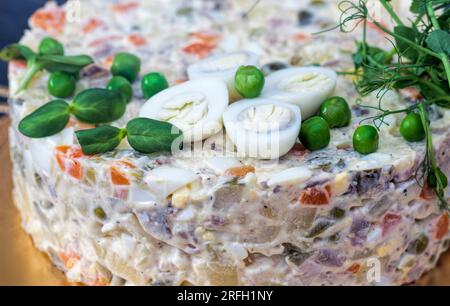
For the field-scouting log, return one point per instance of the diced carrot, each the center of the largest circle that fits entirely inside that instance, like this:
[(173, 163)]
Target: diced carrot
[(427, 193), (117, 177), (207, 38), (76, 152), (66, 157), (441, 226), (137, 40), (390, 220), (301, 37), (179, 81), (124, 7), (61, 152), (61, 161), (49, 19), (74, 169), (354, 268), (240, 171), (69, 259), (315, 196), (91, 25), (63, 149), (199, 49)]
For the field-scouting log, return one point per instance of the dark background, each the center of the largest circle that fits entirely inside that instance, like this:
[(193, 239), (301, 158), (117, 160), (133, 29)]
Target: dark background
[(14, 16)]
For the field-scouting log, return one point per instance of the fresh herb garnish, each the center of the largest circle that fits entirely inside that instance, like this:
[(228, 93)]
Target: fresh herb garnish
[(149, 136), (38, 62), (98, 105), (94, 105), (143, 134), (100, 140), (47, 120), (423, 50)]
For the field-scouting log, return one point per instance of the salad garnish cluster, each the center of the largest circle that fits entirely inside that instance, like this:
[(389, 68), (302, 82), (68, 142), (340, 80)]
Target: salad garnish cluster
[(419, 59)]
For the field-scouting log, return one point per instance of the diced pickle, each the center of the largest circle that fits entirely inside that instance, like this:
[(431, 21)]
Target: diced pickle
[(294, 254), (337, 213), (419, 245), (100, 213), (319, 228), (38, 179), (334, 237)]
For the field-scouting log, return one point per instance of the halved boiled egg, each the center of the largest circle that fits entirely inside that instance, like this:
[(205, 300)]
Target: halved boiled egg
[(222, 67), (195, 107), (306, 87), (262, 128)]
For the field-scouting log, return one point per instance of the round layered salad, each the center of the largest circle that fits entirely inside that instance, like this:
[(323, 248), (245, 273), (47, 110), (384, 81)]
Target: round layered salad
[(229, 206)]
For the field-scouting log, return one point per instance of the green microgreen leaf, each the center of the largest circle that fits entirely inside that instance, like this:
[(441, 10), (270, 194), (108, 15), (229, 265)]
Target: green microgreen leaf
[(100, 140), (403, 48), (36, 62), (150, 136), (439, 42), (16, 52), (53, 63), (418, 6), (47, 120), (98, 105), (69, 64), (433, 178)]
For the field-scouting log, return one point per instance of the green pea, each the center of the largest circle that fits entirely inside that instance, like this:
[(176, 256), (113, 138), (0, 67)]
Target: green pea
[(249, 81), (61, 84), (336, 112), (365, 139), (315, 133), (50, 46), (153, 83), (121, 84), (126, 65), (411, 128)]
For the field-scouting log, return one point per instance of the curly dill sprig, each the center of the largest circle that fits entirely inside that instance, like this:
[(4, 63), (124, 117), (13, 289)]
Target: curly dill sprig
[(350, 12), (434, 176), (379, 119)]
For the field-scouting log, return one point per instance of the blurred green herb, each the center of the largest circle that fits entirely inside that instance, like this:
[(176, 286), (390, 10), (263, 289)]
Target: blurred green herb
[(421, 51)]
